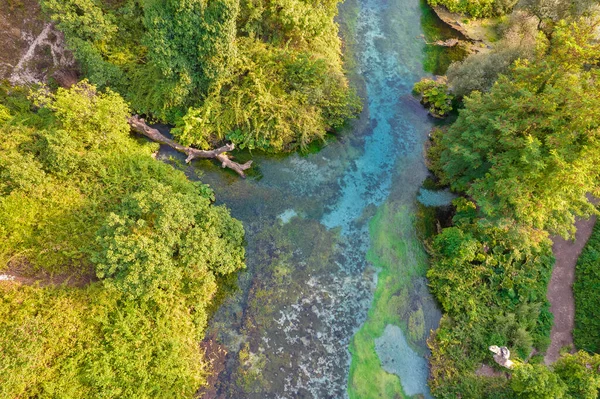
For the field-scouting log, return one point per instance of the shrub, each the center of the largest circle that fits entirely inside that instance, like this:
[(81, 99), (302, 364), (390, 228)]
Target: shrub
[(434, 96), (587, 295)]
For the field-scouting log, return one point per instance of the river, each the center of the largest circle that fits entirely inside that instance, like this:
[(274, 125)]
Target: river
[(310, 221)]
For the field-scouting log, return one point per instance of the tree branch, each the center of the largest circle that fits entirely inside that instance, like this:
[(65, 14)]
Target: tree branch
[(140, 126)]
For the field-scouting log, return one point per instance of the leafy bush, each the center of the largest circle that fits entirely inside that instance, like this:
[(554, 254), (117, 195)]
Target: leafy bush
[(537, 382), (434, 96), (161, 244), (265, 74), (78, 193), (587, 295), (581, 373)]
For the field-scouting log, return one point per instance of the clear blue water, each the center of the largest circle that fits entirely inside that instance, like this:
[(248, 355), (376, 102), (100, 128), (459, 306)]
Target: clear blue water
[(308, 286)]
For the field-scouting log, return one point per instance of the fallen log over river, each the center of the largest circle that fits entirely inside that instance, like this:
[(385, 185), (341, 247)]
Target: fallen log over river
[(139, 125)]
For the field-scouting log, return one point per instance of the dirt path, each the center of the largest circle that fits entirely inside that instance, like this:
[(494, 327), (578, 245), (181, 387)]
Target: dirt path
[(560, 289), (79, 280)]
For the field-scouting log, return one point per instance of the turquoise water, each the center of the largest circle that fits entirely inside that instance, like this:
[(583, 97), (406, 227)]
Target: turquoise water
[(308, 286), (397, 357)]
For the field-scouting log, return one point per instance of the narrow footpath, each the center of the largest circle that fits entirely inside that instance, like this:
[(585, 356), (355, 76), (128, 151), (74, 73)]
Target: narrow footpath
[(560, 289)]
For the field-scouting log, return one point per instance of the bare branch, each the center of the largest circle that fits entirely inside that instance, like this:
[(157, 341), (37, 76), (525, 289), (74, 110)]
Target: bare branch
[(140, 126)]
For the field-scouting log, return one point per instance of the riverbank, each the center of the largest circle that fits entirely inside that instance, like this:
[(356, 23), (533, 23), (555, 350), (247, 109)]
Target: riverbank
[(481, 32)]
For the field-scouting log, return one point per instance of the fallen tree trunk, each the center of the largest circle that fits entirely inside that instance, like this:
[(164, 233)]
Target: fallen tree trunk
[(446, 43), (140, 126)]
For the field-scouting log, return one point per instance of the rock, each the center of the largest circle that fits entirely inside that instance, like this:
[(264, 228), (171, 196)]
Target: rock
[(502, 355)]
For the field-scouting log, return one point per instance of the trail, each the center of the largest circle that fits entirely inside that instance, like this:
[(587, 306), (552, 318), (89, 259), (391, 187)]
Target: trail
[(560, 289)]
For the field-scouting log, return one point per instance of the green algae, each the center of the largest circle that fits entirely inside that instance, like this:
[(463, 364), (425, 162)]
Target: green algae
[(397, 253), (438, 58)]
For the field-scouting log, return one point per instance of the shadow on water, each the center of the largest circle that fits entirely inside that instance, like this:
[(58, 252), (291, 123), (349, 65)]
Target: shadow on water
[(437, 58), (308, 285)]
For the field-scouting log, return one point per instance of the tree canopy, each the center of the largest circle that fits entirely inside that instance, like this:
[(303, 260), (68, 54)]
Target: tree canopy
[(82, 200), (528, 148), (263, 74)]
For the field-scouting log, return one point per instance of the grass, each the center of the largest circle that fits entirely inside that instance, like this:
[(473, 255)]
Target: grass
[(399, 256)]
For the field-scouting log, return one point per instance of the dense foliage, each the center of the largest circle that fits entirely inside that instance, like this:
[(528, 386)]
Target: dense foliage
[(91, 342), (79, 198), (491, 280), (572, 377), (263, 74), (525, 155), (476, 8), (434, 96), (528, 149), (587, 295)]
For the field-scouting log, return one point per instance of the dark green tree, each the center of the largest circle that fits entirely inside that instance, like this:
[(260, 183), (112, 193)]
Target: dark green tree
[(529, 148)]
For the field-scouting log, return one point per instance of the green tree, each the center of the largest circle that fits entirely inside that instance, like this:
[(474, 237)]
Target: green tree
[(581, 373), (161, 244), (537, 382), (528, 148)]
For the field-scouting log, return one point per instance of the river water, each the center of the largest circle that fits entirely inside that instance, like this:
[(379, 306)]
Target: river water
[(308, 286)]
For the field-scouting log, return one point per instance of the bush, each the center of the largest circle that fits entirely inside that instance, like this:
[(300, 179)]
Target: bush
[(587, 295), (537, 382), (434, 96), (77, 192)]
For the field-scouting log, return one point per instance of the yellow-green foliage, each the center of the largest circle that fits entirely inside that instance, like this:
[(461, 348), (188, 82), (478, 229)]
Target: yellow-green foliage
[(77, 194), (263, 74), (84, 343), (400, 256), (476, 8), (277, 99)]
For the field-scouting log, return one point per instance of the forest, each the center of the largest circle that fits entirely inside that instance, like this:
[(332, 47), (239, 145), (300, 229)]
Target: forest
[(120, 258), (261, 74), (523, 154)]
